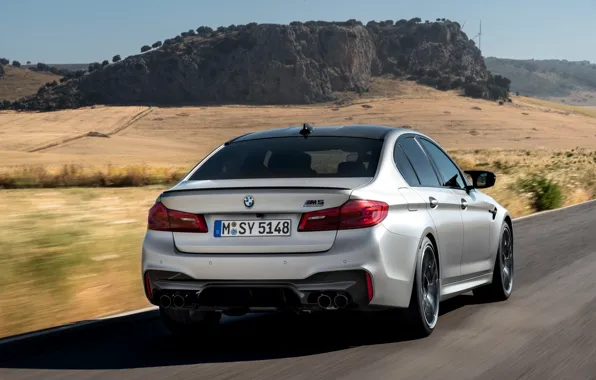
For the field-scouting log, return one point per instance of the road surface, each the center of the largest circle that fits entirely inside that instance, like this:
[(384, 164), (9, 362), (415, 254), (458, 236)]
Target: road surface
[(547, 330)]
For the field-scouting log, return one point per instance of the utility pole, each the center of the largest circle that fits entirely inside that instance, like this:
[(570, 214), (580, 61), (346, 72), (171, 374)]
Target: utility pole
[(480, 37)]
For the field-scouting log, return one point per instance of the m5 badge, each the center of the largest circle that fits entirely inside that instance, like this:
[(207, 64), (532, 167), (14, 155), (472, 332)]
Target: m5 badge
[(314, 203)]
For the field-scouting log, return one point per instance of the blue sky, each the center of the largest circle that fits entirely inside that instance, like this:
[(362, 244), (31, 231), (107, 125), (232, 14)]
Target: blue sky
[(82, 31)]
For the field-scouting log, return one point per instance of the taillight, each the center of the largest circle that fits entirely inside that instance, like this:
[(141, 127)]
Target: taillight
[(322, 220), (357, 213), (163, 219)]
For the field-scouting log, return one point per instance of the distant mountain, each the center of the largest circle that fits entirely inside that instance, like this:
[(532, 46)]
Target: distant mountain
[(546, 78), (300, 63)]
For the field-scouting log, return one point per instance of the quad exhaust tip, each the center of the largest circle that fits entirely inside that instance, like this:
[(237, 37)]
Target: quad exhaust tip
[(178, 301), (165, 301), (324, 301), (340, 301)]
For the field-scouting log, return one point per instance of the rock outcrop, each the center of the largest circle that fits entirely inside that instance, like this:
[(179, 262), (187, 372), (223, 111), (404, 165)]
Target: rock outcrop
[(300, 63)]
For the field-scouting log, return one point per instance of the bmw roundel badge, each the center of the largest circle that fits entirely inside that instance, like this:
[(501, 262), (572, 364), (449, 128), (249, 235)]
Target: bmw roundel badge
[(249, 201)]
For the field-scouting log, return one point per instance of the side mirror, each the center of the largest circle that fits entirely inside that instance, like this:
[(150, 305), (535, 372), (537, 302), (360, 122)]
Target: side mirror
[(481, 179)]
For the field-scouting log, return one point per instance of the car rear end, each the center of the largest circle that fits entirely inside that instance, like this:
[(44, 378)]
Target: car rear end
[(269, 224)]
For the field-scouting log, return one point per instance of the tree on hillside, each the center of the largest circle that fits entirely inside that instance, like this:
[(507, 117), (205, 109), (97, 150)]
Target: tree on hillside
[(156, 45), (221, 29), (28, 62), (145, 48), (4, 61), (94, 66), (416, 20), (16, 64), (105, 63), (192, 32), (116, 58), (1, 70), (204, 30), (473, 90), (498, 87)]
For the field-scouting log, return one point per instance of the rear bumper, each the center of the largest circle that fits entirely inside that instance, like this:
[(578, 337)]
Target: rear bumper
[(388, 258)]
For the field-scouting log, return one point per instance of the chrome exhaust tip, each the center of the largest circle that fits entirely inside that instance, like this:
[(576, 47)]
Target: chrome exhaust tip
[(179, 301), (324, 301), (340, 301), (165, 301)]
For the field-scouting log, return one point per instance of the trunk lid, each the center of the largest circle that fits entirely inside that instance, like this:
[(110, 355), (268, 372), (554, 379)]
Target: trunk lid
[(267, 222)]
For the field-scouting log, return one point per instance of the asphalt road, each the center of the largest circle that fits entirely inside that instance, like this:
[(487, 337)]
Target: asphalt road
[(547, 330)]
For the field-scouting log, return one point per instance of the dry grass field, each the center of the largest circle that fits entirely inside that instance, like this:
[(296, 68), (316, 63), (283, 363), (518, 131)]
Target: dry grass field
[(181, 136), (73, 253), (17, 83)]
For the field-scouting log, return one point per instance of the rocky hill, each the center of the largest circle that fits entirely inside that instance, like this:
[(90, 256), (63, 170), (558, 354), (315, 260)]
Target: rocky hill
[(546, 78), (300, 63)]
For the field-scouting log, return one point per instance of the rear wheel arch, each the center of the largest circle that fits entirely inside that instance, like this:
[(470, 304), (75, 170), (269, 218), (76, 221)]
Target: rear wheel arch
[(509, 223), (431, 237)]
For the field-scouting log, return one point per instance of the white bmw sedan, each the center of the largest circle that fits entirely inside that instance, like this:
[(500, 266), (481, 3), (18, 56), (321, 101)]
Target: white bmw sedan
[(325, 219)]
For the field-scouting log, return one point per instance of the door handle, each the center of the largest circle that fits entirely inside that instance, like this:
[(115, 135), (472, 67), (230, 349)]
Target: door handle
[(433, 202), (464, 204)]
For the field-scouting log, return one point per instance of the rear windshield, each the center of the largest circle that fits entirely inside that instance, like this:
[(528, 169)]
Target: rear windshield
[(293, 157)]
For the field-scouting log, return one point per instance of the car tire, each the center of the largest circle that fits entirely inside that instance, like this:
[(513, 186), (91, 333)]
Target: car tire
[(503, 273), (184, 323), (423, 313)]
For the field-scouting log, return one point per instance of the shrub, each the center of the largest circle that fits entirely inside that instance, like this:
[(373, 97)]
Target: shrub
[(156, 44), (1, 70), (94, 66), (116, 58), (4, 61), (105, 63), (145, 48), (204, 30), (16, 64), (473, 90), (498, 87), (546, 194)]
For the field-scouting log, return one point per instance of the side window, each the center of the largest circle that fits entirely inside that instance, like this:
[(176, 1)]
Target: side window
[(420, 162), (448, 170), (404, 166)]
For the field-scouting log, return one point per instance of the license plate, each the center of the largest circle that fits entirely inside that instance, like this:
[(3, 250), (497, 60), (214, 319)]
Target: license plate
[(241, 228)]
